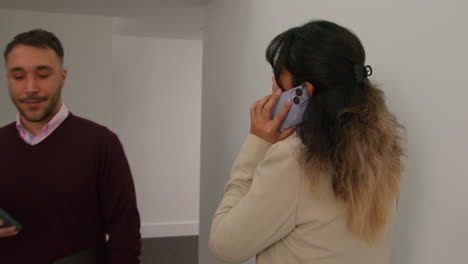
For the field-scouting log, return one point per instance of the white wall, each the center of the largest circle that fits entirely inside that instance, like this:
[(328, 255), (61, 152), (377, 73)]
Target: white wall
[(418, 52), (87, 43), (157, 113)]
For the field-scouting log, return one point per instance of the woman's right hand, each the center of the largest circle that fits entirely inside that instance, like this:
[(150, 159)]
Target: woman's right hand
[(260, 112)]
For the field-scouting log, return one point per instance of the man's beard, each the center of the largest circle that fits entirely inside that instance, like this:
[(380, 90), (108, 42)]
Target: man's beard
[(50, 108)]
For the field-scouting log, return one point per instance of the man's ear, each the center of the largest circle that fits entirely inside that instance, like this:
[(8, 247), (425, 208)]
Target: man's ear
[(64, 74), (309, 87)]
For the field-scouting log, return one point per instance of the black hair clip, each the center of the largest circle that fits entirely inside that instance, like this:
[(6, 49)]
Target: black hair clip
[(361, 72)]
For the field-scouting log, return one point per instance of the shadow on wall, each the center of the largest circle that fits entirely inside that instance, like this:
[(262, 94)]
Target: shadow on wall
[(222, 129)]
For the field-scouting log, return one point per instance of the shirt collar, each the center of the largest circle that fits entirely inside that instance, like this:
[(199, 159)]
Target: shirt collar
[(58, 118)]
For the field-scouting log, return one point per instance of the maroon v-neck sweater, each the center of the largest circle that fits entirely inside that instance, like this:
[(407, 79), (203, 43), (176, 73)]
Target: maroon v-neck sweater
[(68, 192)]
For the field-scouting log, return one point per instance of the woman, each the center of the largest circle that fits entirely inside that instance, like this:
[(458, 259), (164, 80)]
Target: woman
[(327, 194)]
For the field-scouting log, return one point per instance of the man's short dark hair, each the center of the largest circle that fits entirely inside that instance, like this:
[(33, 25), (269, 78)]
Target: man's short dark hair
[(37, 38)]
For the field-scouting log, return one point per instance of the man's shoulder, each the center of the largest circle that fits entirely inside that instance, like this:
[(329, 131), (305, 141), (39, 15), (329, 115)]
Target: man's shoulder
[(85, 123), (8, 128), (90, 129)]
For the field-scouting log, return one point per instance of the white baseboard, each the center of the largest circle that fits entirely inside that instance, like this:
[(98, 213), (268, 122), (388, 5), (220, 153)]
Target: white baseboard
[(169, 229)]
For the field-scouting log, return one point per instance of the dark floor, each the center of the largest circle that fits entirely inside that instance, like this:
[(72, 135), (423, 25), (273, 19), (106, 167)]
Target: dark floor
[(170, 250)]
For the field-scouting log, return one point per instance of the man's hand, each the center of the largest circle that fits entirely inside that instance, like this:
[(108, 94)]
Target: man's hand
[(7, 231)]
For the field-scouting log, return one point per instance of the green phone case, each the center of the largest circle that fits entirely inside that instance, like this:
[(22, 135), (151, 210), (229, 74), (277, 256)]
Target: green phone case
[(8, 220)]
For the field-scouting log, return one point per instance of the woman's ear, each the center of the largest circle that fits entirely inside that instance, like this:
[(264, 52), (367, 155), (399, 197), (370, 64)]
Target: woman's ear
[(274, 87), (309, 87)]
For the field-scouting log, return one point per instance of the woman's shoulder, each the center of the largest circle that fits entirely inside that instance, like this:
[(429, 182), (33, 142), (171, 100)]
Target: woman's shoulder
[(285, 154), (290, 146), (294, 141)]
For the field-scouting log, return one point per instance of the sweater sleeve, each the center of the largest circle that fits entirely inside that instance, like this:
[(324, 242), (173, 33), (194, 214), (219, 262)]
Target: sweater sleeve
[(260, 201), (118, 205)]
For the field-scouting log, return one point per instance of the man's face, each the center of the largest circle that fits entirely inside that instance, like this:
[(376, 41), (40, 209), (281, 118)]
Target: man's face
[(35, 79)]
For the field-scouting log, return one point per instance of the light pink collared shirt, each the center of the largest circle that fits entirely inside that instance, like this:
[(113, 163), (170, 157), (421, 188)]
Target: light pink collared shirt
[(55, 122)]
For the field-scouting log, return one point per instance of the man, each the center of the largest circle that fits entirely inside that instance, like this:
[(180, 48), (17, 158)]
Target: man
[(64, 178)]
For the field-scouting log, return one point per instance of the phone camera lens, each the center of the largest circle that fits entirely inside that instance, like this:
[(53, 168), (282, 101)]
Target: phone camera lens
[(296, 100), (298, 92)]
